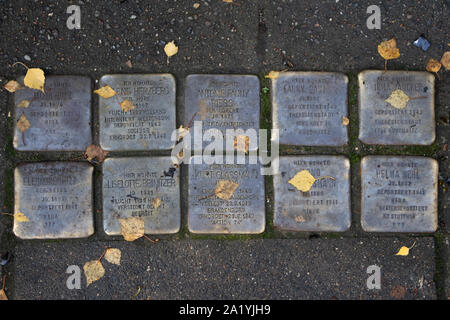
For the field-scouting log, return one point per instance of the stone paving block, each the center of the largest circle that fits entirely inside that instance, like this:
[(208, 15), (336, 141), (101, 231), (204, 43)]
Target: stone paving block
[(381, 123), (132, 187), (307, 108), (57, 199), (243, 213), (326, 207), (60, 118), (147, 127), (399, 194), (218, 269), (222, 102)]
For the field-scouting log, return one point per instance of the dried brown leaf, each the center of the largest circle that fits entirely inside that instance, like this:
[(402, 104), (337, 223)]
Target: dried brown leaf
[(93, 271), (95, 153), (132, 228), (225, 189)]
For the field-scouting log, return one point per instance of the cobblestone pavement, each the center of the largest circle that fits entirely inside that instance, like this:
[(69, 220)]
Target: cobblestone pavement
[(245, 37)]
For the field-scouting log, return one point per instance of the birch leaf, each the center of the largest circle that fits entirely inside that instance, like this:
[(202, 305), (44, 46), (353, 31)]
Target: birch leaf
[(23, 124), (95, 154), (345, 121), (132, 228), (170, 49), (156, 202), (433, 65), (303, 180), (113, 256), (35, 79), (105, 92), (20, 217), (23, 104), (272, 75), (398, 99), (388, 49), (12, 86), (225, 189), (445, 60), (93, 271), (404, 251), (3, 296), (126, 105)]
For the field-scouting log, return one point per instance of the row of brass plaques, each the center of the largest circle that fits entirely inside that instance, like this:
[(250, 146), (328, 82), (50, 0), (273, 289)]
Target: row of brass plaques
[(399, 194), (308, 108)]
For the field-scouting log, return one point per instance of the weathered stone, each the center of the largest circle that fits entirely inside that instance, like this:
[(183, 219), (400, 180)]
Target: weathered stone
[(57, 199), (60, 118), (222, 102), (326, 207), (149, 126), (399, 194), (244, 212), (307, 108), (381, 123), (132, 187)]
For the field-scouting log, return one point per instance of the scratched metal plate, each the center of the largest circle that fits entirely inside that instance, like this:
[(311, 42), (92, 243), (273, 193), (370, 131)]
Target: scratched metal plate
[(307, 108), (381, 123), (57, 199), (244, 213), (326, 207), (399, 194), (130, 185), (60, 119), (147, 127), (230, 101)]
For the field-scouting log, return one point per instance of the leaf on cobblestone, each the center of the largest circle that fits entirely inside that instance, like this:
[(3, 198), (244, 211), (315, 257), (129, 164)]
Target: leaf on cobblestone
[(23, 104), (404, 251), (345, 121), (113, 255), (23, 124), (398, 99), (93, 271), (445, 60), (156, 202), (12, 86), (95, 154), (132, 228), (433, 66), (225, 189), (126, 105), (272, 75), (105, 92), (170, 49), (303, 180), (241, 143), (35, 79), (20, 217)]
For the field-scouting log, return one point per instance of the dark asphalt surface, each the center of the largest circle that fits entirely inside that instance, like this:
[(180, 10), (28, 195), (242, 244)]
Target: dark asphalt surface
[(209, 269), (251, 37)]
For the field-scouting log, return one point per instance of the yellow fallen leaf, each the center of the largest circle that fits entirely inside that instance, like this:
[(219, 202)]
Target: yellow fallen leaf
[(388, 49), (12, 86), (241, 143), (345, 121), (225, 189), (404, 251), (156, 202), (398, 99), (126, 105), (23, 104), (445, 60), (228, 1), (35, 79), (132, 228), (303, 180), (433, 65), (3, 296), (23, 124), (95, 154), (105, 92), (170, 49), (20, 217), (113, 255), (272, 75), (299, 219), (196, 5), (93, 270)]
